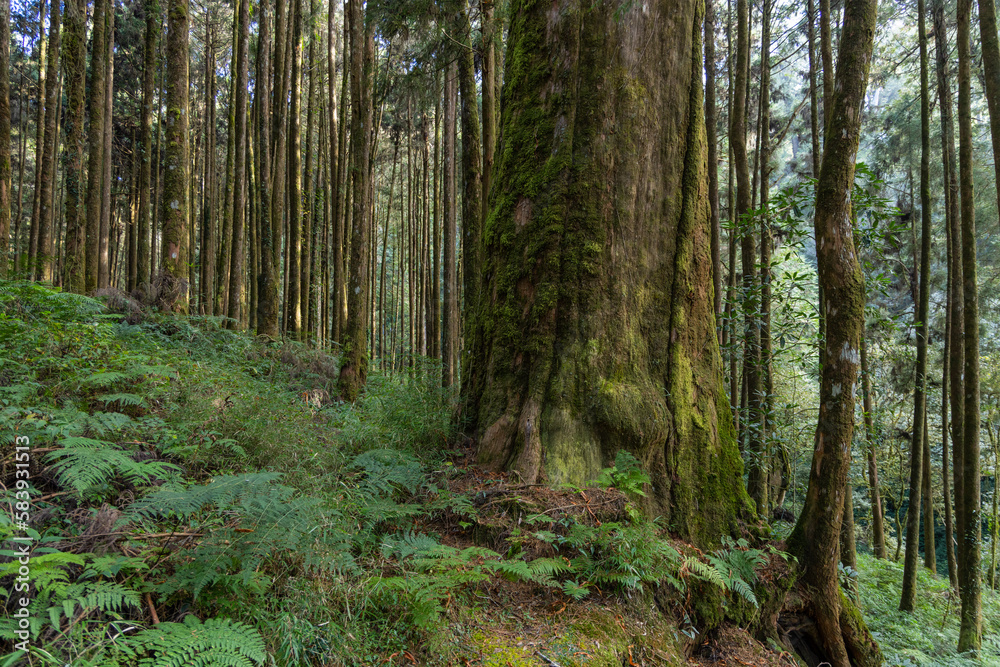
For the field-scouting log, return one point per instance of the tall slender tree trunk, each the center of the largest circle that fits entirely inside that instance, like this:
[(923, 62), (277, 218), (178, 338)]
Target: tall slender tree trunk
[(489, 99), (104, 231), (354, 361), (40, 122), (74, 62), (472, 202), (270, 239), (43, 255), (970, 630), (335, 167), (449, 320), (874, 494), (711, 125), (734, 373), (174, 205), (237, 266), (954, 349), (917, 470), (436, 326), (951, 216), (208, 233), (757, 481), (293, 253), (815, 539), (764, 152), (342, 211), (279, 143), (5, 160), (22, 158), (308, 222), (95, 140), (152, 12)]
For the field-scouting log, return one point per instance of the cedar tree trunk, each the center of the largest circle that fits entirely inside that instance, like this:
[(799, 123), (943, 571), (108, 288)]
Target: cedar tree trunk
[(597, 308)]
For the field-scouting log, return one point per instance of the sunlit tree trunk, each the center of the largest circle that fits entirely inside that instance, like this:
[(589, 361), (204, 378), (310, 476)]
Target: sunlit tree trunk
[(815, 539)]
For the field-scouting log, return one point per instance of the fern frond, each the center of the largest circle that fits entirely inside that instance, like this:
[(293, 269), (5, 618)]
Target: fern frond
[(705, 571), (122, 399), (107, 378), (186, 502), (218, 642), (742, 588), (84, 463)]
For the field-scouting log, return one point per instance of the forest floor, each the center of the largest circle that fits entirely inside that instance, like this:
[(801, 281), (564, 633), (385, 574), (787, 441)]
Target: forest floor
[(198, 496)]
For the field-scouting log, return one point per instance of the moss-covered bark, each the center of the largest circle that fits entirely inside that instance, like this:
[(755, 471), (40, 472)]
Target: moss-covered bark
[(354, 359), (75, 67), (597, 307), (42, 246), (174, 206), (95, 139)]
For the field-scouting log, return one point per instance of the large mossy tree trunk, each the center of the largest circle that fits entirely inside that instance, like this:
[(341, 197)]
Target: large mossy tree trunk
[(597, 308), (815, 539)]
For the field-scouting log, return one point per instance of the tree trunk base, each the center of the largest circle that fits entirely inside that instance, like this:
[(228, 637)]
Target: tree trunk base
[(800, 632)]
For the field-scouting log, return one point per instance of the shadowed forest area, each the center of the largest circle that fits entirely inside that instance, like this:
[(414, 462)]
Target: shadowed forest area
[(464, 332)]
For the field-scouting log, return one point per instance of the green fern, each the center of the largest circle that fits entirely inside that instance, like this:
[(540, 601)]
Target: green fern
[(122, 399), (103, 596), (705, 571), (184, 503), (85, 463), (218, 642), (385, 471), (248, 520)]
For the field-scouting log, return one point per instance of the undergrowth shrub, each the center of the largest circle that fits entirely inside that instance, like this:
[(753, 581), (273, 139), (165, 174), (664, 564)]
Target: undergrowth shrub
[(928, 636)]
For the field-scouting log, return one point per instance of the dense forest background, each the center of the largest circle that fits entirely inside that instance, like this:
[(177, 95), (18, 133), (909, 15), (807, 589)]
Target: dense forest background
[(335, 180)]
